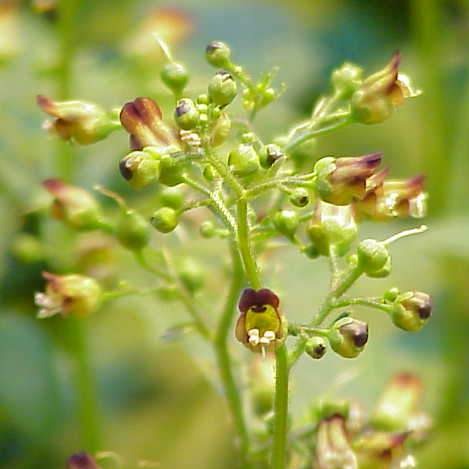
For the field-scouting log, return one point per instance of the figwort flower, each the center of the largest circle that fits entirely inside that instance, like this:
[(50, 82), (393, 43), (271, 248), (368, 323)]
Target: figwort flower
[(81, 461), (412, 310), (348, 337), (340, 181), (74, 205), (80, 121), (393, 198), (260, 326), (380, 93), (333, 449), (143, 119), (72, 294)]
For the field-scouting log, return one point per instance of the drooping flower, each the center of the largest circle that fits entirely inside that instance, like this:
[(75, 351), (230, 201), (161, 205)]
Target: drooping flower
[(393, 198), (412, 310), (260, 326), (348, 337), (68, 295), (340, 181), (83, 122), (74, 205), (379, 94), (143, 120)]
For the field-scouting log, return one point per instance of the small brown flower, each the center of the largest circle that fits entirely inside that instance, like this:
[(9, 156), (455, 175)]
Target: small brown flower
[(143, 120), (260, 325)]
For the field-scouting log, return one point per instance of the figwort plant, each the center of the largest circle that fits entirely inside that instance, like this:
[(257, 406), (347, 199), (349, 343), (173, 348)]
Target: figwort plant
[(202, 157)]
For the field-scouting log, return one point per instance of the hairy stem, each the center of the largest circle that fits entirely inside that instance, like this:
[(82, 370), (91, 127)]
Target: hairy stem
[(224, 362), (279, 448)]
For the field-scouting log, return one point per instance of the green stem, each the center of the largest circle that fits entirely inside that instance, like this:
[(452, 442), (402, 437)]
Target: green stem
[(225, 366), (84, 384), (244, 245), (279, 448), (328, 305)]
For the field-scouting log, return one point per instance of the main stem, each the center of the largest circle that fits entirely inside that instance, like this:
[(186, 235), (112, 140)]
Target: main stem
[(225, 367), (88, 407)]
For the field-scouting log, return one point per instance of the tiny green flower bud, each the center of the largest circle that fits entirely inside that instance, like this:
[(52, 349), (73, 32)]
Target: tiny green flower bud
[(133, 230), (340, 181), (299, 197), (222, 88), (311, 251), (383, 272), (73, 205), (67, 295), (172, 197), (207, 229), (191, 274), (83, 122), (218, 54), (398, 403), (391, 295), (270, 154), (346, 79), (221, 130), (81, 461), (28, 248), (260, 326), (174, 75), (165, 219), (186, 114), (203, 99), (209, 173), (411, 311), (140, 169), (244, 160), (372, 256), (348, 337), (286, 222), (316, 347)]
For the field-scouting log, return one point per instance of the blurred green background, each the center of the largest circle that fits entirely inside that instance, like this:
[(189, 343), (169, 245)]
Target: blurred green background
[(155, 393)]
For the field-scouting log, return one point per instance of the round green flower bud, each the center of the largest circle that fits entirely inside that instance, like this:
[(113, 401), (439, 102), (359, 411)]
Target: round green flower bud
[(174, 75), (244, 160), (218, 54), (391, 294), (133, 230), (383, 272), (191, 274), (347, 78), (209, 173), (140, 169), (412, 312), (172, 197), (348, 337), (311, 251), (171, 171), (316, 347), (202, 99), (207, 229), (222, 88), (299, 197), (165, 219), (372, 256), (286, 222), (186, 114)]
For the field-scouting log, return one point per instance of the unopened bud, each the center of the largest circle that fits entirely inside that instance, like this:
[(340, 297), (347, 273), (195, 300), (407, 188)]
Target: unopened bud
[(372, 256), (299, 197), (186, 114), (140, 169), (133, 230), (244, 161), (222, 88), (172, 197), (316, 347), (207, 229), (411, 311), (165, 219), (348, 337), (218, 54), (346, 79), (286, 222), (174, 75), (270, 155)]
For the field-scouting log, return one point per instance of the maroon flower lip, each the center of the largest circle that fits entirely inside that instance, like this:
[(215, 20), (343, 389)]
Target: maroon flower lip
[(257, 300)]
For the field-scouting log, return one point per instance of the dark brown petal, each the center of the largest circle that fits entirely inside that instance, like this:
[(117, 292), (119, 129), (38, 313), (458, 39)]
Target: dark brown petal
[(267, 297), (81, 461), (47, 105), (252, 298), (54, 186), (247, 299)]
